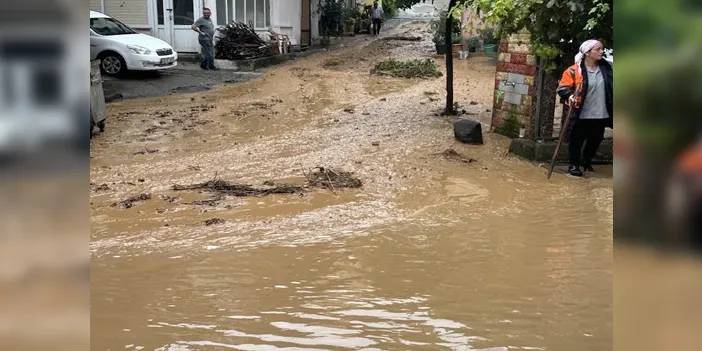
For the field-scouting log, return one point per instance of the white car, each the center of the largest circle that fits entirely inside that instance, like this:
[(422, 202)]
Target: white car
[(121, 48)]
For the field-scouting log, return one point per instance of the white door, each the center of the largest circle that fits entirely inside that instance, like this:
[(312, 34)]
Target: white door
[(174, 18)]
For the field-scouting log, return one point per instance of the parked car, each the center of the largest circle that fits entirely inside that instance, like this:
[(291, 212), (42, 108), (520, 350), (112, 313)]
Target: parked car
[(121, 48)]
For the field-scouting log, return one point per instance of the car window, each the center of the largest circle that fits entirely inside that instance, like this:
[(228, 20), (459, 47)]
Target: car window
[(109, 26)]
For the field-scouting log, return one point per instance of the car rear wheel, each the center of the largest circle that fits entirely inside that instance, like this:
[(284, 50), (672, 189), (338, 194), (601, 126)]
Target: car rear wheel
[(112, 64)]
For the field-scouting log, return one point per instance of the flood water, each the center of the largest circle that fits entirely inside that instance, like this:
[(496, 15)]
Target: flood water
[(430, 254)]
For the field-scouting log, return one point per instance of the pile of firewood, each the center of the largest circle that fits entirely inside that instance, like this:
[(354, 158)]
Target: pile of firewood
[(240, 42)]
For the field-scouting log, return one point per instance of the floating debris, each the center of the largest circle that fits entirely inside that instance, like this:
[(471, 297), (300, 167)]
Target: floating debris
[(129, 203), (452, 155), (403, 38), (224, 187), (332, 62), (102, 187), (213, 221)]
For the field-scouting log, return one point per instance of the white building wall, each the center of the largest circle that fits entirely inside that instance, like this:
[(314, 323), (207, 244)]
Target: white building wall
[(131, 12), (95, 5), (286, 17)]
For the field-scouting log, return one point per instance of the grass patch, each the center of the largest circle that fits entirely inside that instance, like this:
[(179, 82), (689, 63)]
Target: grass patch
[(407, 69)]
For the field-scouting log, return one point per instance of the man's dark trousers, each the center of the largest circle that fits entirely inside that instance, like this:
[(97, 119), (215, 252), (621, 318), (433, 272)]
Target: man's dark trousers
[(207, 54), (376, 26)]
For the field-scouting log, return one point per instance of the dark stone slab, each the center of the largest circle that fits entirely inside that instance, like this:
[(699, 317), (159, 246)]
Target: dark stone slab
[(468, 131)]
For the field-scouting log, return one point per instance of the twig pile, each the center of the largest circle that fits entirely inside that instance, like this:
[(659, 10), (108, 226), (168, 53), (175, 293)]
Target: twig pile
[(452, 155), (240, 42), (129, 203), (331, 179)]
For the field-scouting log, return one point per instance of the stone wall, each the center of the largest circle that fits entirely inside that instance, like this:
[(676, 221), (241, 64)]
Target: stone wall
[(515, 88)]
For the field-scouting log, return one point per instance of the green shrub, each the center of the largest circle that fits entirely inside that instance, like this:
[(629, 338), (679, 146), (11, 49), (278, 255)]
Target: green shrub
[(389, 8), (510, 126)]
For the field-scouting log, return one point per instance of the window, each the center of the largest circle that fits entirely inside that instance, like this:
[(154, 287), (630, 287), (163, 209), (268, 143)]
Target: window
[(240, 13), (256, 12), (183, 12), (47, 86), (159, 11), (250, 11), (260, 14), (109, 26), (221, 12)]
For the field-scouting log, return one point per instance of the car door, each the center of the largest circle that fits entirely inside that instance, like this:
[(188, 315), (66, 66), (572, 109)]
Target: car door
[(94, 50)]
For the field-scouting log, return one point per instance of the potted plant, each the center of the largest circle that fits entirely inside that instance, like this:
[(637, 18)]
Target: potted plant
[(473, 44), (457, 45), (489, 41), (438, 27), (350, 15)]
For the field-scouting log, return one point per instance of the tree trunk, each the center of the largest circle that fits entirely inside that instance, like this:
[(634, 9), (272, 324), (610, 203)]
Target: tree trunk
[(449, 60)]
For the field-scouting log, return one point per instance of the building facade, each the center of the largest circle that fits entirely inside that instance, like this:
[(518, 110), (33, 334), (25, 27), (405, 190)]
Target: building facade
[(170, 20)]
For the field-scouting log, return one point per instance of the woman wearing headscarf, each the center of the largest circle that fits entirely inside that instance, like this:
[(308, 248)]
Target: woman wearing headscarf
[(587, 88)]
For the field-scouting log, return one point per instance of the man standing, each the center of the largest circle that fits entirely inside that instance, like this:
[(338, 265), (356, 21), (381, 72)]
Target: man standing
[(377, 17), (205, 29)]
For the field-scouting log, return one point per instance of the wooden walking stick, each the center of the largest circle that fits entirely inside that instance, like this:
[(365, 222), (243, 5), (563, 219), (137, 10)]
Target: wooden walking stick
[(564, 127)]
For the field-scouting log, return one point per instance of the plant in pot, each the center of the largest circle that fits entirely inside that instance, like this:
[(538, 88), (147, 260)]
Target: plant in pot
[(473, 44), (489, 41), (438, 28), (351, 14)]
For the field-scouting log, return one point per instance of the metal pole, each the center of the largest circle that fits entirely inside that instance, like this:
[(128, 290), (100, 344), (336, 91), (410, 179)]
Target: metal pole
[(560, 142)]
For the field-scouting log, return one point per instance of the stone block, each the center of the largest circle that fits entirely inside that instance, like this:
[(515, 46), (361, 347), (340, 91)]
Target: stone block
[(516, 78), (506, 86), (530, 59), (519, 48), (522, 147), (518, 58), (513, 98), (504, 57), (468, 131), (521, 69), (521, 89), (529, 80), (543, 151), (504, 46), (526, 99)]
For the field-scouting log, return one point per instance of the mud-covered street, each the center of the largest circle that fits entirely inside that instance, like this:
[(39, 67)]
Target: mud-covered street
[(466, 250)]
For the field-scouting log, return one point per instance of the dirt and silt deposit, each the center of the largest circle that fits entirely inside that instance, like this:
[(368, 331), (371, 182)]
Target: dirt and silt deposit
[(432, 245)]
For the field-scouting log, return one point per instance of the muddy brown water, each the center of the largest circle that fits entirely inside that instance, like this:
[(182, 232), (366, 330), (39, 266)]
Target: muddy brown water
[(431, 254)]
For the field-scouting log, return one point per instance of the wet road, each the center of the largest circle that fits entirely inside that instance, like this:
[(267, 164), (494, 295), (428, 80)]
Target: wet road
[(429, 254)]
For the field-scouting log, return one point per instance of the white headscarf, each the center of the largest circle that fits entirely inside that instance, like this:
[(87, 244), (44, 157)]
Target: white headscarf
[(584, 48)]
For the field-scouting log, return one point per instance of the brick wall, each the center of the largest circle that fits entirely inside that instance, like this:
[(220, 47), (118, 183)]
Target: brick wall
[(515, 88)]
